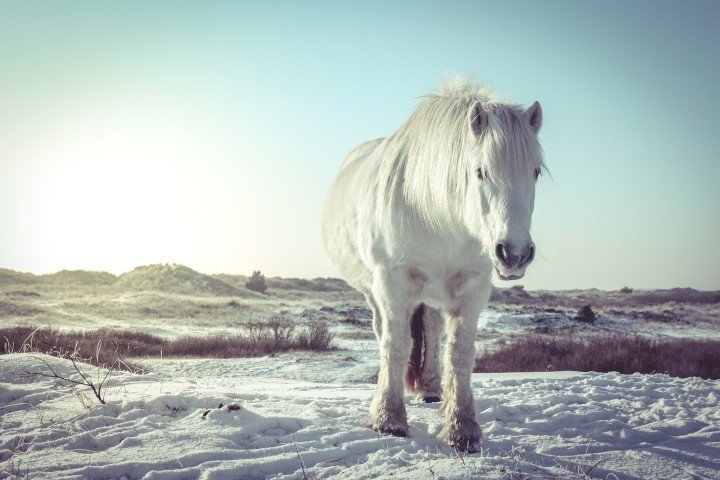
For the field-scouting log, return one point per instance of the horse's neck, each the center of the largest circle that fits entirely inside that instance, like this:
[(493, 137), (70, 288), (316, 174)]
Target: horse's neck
[(429, 200), (430, 221), (411, 238)]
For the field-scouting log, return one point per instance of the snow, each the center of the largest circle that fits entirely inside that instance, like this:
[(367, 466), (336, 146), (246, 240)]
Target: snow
[(310, 410), (290, 412)]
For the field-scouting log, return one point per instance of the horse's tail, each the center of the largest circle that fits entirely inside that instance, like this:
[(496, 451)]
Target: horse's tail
[(414, 371)]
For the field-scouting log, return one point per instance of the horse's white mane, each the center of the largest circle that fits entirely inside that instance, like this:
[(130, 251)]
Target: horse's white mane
[(427, 159)]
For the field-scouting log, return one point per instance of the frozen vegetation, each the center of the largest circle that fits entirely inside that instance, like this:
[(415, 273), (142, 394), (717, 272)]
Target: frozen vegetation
[(304, 414)]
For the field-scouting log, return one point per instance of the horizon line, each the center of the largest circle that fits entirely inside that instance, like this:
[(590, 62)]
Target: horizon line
[(494, 284)]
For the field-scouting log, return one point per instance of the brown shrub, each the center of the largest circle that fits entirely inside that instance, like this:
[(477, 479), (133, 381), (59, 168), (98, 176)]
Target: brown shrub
[(213, 347), (99, 347), (677, 357), (275, 335), (256, 282), (586, 315), (318, 338), (105, 346)]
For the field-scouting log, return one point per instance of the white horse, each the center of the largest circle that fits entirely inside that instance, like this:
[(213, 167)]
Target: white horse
[(417, 222)]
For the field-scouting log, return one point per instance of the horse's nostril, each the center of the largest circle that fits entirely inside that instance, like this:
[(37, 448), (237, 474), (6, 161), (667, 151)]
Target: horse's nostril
[(501, 252), (530, 255), (514, 258)]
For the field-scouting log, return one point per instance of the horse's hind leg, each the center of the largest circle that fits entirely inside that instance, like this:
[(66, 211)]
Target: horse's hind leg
[(388, 409), (429, 386)]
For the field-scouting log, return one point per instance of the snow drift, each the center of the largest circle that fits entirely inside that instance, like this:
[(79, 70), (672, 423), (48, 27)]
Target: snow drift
[(215, 419)]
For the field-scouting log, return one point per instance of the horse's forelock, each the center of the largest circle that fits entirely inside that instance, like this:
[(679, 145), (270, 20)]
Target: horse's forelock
[(510, 147), (427, 158)]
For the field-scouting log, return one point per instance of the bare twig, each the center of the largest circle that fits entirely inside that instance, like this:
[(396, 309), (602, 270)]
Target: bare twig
[(432, 472), (460, 455), (98, 388), (30, 337), (302, 464), (599, 462)]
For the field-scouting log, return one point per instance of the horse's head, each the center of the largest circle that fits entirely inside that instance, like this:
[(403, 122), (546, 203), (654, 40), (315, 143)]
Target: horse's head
[(503, 168)]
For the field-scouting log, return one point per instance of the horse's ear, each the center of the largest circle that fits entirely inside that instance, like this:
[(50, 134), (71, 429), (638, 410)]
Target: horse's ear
[(478, 118), (534, 116)]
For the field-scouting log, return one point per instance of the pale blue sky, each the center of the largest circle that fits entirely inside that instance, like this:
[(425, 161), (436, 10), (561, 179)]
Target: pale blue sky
[(208, 133)]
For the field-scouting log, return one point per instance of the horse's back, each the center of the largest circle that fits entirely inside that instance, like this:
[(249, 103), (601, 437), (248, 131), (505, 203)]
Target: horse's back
[(340, 219), (361, 152)]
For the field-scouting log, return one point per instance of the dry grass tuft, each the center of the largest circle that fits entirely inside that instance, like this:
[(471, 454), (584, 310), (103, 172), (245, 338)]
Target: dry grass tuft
[(22, 293), (677, 357), (115, 344), (273, 337)]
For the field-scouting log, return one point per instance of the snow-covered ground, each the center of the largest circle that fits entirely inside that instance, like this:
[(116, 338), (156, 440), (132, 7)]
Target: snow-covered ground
[(310, 411), (305, 415)]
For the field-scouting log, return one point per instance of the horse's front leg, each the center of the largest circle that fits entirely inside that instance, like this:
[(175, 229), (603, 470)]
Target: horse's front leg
[(461, 429), (390, 291), (376, 317)]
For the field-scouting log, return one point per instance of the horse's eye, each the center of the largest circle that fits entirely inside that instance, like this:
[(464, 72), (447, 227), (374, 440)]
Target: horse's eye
[(537, 173), (480, 174)]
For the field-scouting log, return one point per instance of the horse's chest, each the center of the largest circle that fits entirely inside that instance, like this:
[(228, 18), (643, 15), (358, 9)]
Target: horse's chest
[(432, 270), (444, 291)]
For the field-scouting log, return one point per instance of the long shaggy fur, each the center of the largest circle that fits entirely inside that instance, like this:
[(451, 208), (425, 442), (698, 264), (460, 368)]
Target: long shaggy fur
[(414, 221), (424, 161)]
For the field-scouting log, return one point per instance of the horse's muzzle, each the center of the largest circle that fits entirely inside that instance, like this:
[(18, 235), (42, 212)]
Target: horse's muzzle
[(512, 261), (516, 276)]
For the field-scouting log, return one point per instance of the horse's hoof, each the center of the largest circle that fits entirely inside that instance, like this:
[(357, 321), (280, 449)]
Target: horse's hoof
[(394, 431), (463, 435), (431, 399), (467, 445), (391, 429)]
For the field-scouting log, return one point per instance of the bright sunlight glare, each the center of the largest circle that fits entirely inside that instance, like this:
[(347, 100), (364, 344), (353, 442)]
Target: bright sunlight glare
[(114, 192)]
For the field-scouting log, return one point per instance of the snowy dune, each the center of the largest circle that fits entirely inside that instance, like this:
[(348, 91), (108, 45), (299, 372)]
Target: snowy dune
[(174, 300)]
